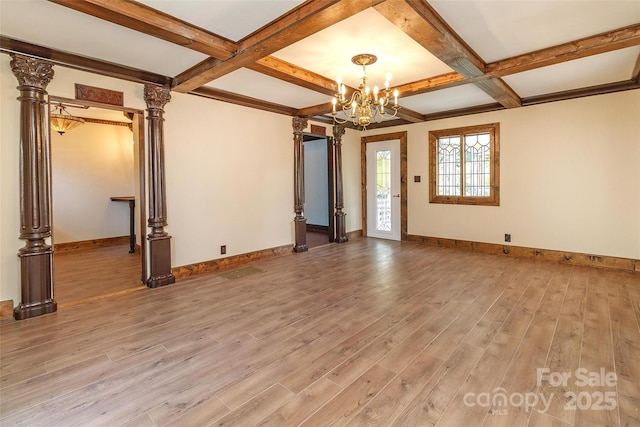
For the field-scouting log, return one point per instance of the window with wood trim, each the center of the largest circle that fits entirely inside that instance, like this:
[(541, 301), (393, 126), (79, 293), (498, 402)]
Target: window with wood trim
[(464, 165)]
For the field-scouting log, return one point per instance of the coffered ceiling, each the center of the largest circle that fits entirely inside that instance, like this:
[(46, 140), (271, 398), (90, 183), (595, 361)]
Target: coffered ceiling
[(446, 57)]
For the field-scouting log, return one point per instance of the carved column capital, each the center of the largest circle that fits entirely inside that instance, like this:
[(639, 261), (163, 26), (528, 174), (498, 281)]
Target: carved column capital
[(156, 97), (338, 131), (31, 71), (299, 124)]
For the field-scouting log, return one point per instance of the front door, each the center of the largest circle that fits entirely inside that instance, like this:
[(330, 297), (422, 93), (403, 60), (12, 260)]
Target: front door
[(383, 189)]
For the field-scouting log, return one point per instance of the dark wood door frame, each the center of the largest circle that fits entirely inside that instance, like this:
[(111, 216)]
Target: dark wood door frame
[(138, 132), (402, 136), (330, 181)]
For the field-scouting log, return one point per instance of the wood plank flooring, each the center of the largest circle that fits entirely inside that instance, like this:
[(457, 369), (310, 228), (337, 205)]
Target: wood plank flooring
[(90, 274), (372, 332)]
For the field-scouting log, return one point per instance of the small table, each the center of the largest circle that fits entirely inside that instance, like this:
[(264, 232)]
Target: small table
[(132, 232)]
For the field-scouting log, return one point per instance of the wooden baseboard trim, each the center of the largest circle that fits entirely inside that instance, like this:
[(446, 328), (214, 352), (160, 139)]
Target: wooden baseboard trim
[(563, 257), (90, 244), (6, 309), (320, 228), (354, 233), (205, 267)]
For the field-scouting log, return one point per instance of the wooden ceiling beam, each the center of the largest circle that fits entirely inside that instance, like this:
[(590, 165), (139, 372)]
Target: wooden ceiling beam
[(588, 46), (423, 24), (301, 22), (442, 81), (315, 110), (246, 101), (140, 17), (279, 69)]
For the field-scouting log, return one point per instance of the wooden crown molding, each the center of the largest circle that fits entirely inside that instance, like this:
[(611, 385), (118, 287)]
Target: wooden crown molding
[(83, 63)]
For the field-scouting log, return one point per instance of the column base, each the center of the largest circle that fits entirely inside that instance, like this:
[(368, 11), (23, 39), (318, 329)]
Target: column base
[(301, 235), (156, 282), (160, 257), (25, 311), (341, 235), (36, 283)]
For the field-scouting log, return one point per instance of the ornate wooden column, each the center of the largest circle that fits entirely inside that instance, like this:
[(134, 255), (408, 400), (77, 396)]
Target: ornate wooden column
[(159, 241), (341, 234), (35, 188), (299, 124)]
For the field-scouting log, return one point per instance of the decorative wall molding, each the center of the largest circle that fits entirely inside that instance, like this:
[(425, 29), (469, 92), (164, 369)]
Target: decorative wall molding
[(205, 267), (563, 257), (108, 122), (98, 94)]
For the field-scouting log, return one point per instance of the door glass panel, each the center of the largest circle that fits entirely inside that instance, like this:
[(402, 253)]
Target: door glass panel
[(383, 194)]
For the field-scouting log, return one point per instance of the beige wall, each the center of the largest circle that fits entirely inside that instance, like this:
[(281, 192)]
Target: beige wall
[(90, 164), (570, 178), (229, 178)]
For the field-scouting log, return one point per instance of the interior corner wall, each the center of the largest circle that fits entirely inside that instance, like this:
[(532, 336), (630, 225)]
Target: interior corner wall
[(229, 177), (569, 178), (90, 164)]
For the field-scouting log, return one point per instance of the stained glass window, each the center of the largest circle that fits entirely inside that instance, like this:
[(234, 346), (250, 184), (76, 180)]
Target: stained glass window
[(383, 192), (464, 165)]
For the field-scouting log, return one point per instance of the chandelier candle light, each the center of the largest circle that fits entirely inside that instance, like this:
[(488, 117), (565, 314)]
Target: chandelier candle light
[(365, 104)]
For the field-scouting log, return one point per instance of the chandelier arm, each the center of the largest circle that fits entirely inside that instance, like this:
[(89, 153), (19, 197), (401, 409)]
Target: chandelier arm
[(365, 105)]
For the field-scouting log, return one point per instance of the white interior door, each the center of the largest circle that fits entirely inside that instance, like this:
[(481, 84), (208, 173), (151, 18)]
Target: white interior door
[(383, 189)]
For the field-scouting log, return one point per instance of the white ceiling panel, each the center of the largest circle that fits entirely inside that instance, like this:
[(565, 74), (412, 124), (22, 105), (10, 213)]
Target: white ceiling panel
[(447, 99), (52, 25), (594, 70), (257, 85), (329, 52), (502, 29), (233, 19)]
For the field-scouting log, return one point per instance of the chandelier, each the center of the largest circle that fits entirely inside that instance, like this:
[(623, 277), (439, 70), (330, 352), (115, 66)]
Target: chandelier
[(365, 105), (62, 121)]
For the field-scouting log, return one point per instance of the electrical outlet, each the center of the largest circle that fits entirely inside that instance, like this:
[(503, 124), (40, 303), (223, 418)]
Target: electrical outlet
[(223, 249), (507, 237)]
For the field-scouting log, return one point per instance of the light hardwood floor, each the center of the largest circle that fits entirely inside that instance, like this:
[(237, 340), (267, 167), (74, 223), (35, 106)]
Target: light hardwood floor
[(86, 275), (371, 332)]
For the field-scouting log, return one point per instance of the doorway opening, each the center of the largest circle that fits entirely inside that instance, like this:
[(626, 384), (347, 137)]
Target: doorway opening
[(319, 189), (388, 165), (98, 240)]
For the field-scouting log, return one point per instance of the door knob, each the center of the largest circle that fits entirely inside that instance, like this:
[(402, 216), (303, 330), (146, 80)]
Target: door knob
[(396, 195)]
